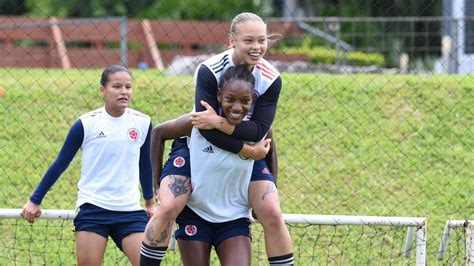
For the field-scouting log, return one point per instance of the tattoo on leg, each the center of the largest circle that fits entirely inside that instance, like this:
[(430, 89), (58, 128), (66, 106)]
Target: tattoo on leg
[(149, 232), (270, 189), (178, 185), (161, 238)]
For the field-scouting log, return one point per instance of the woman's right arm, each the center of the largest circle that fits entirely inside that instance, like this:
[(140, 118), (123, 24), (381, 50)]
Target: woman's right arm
[(253, 130), (168, 130), (70, 147)]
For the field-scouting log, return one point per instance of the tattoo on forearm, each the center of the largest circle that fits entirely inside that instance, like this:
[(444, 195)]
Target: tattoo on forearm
[(179, 185), (270, 189)]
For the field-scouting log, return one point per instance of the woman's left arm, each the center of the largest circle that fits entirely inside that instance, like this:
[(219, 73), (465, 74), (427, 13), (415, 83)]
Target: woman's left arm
[(146, 177), (272, 156)]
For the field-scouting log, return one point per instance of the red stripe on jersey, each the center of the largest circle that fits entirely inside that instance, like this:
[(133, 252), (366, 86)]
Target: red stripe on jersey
[(265, 71), (266, 75), (269, 69)]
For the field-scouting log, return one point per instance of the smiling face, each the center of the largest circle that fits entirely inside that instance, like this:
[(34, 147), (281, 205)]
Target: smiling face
[(249, 41), (236, 100), (117, 92)]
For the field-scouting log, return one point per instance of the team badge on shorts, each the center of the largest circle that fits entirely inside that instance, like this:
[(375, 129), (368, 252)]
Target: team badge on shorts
[(190, 230), (132, 134), (179, 162)]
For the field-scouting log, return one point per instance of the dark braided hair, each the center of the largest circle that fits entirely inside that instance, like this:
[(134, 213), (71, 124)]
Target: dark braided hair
[(112, 69), (239, 72)]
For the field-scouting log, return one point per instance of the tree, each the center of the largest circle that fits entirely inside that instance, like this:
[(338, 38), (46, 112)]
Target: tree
[(91, 8), (372, 8), (12, 7), (152, 9)]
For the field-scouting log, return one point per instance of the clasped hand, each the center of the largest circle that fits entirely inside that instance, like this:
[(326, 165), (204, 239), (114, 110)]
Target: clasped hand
[(207, 119)]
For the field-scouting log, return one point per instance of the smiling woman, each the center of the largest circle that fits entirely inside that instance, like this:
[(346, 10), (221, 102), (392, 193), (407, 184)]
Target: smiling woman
[(115, 143), (248, 40), (229, 179)]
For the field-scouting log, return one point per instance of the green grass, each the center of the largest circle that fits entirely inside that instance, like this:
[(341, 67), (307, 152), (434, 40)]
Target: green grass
[(382, 145)]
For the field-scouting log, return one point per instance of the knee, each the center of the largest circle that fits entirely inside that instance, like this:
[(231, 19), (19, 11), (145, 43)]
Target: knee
[(169, 212), (86, 260), (169, 208), (270, 217)]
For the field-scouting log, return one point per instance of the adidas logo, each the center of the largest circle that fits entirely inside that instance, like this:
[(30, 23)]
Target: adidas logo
[(208, 149), (101, 134)]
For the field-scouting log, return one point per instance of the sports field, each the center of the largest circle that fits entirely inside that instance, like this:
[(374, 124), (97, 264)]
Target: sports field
[(380, 145)]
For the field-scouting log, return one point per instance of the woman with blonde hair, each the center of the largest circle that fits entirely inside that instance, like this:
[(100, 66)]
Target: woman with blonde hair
[(248, 40)]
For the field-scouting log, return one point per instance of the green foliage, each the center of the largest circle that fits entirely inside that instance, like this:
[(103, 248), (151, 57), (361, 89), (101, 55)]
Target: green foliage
[(370, 8), (152, 9), (199, 10), (331, 56), (12, 7), (203, 9), (79, 8)]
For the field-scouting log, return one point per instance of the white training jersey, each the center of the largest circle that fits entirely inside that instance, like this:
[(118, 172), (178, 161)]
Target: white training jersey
[(110, 159), (265, 74), (220, 181)]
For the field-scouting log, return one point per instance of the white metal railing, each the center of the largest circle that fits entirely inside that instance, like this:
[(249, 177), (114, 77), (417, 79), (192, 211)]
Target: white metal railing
[(414, 224), (468, 226)]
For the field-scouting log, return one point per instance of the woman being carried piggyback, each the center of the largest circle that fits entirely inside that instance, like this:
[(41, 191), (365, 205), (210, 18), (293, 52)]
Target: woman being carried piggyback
[(249, 42)]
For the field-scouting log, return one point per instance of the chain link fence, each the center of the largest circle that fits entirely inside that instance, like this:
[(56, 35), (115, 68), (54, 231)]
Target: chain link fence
[(375, 115)]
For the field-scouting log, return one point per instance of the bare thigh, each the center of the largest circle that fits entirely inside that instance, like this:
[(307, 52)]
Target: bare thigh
[(235, 251), (174, 193), (263, 197), (90, 248), (131, 247), (194, 253)]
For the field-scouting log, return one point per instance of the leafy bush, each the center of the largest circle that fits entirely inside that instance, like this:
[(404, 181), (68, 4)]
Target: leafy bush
[(318, 54)]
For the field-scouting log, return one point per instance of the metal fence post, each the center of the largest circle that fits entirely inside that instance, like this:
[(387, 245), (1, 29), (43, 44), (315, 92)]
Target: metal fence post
[(453, 52), (123, 41)]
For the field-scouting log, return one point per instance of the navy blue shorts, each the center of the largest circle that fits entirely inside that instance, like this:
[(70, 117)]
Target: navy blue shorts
[(192, 227), (261, 171), (115, 224), (178, 163)]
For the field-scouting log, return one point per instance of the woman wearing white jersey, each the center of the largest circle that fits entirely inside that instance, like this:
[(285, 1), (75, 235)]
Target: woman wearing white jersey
[(248, 39), (199, 228), (115, 143)]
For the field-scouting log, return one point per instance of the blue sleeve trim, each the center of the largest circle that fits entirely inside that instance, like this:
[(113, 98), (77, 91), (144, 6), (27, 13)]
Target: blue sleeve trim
[(70, 147), (146, 177)]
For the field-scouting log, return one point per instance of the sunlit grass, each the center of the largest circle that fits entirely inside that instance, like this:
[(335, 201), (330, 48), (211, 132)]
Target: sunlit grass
[(383, 145)]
